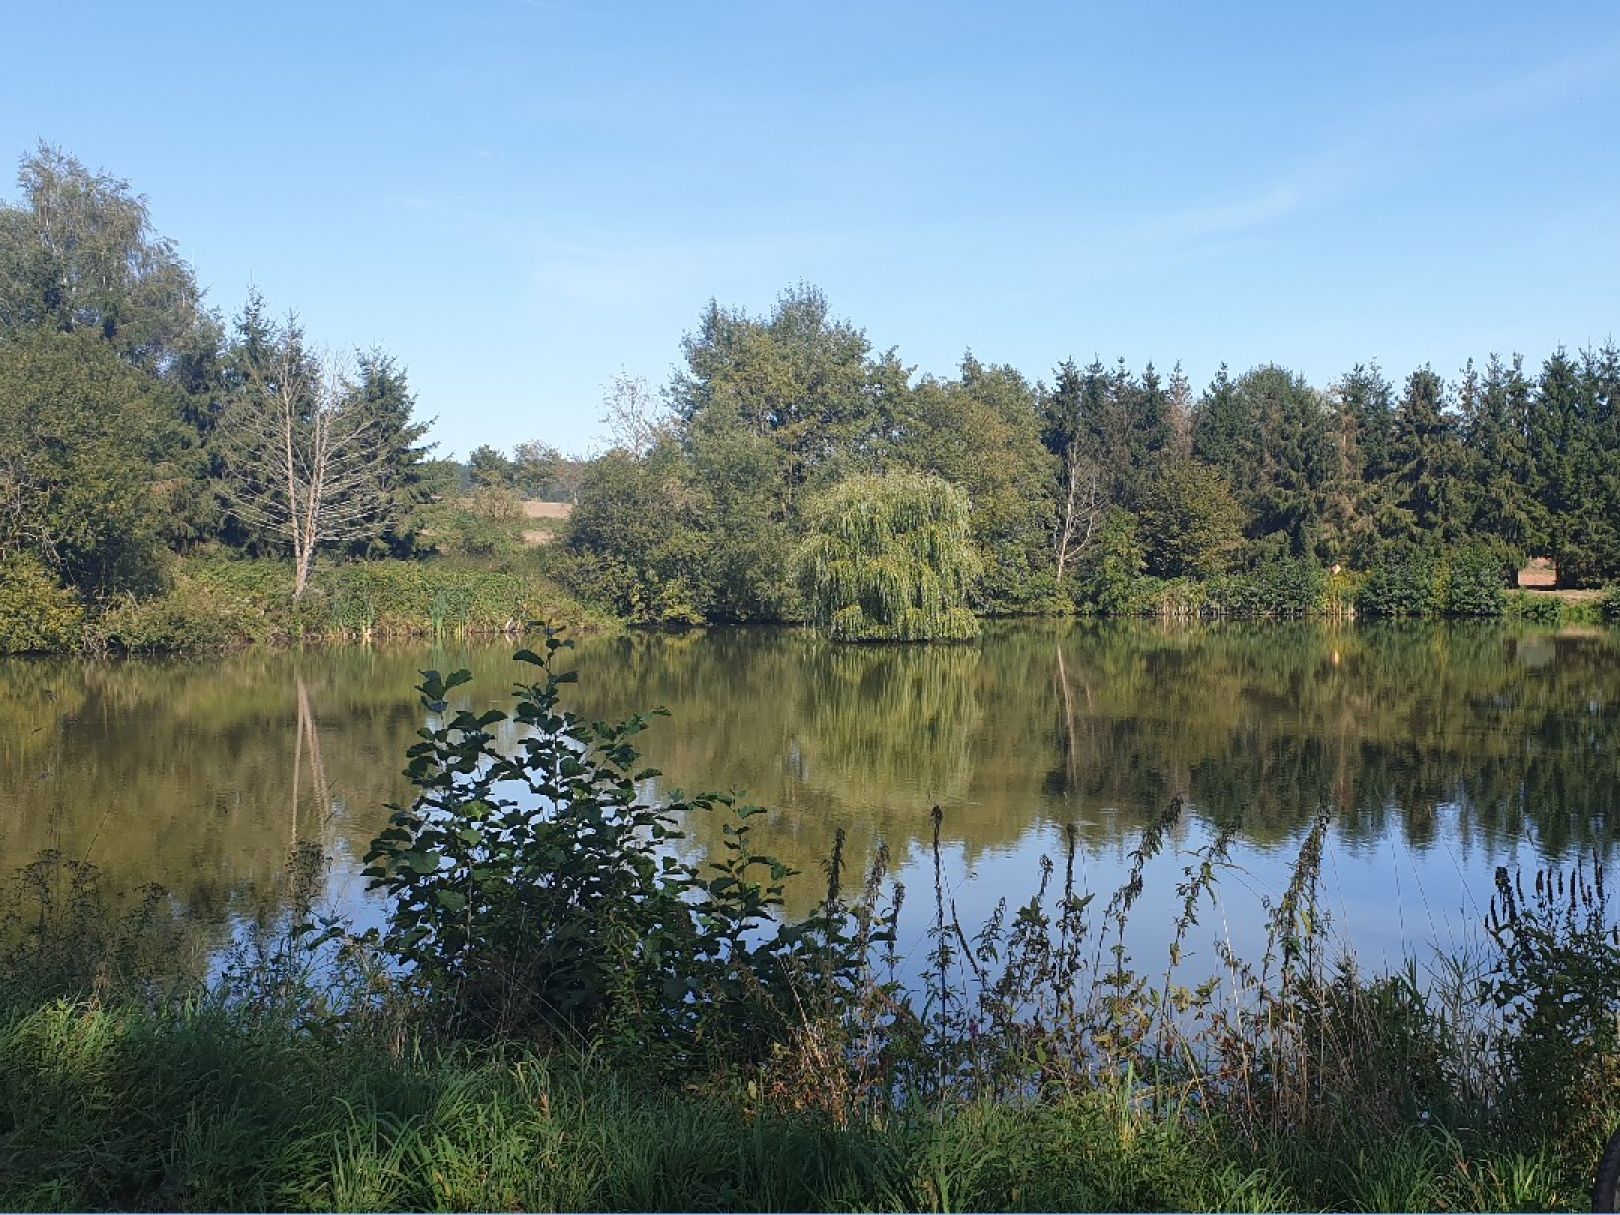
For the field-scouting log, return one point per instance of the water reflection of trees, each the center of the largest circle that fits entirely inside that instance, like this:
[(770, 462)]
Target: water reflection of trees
[(201, 775), (1389, 727)]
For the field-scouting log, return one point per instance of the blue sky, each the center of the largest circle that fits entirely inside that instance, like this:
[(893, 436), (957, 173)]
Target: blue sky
[(522, 199)]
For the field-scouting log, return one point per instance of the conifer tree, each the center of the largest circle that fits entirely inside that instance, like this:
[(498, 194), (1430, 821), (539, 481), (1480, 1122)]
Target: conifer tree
[(1421, 497)]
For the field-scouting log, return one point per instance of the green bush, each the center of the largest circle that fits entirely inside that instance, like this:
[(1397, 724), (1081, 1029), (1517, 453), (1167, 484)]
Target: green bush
[(194, 616), (1473, 583), (1557, 961), (1534, 607), (537, 893), (1401, 584), (1109, 581), (1282, 586), (614, 585), (1609, 605), (486, 523), (37, 616)]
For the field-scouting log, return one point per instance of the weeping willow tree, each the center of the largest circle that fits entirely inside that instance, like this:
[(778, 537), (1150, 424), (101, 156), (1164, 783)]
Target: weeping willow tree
[(890, 558)]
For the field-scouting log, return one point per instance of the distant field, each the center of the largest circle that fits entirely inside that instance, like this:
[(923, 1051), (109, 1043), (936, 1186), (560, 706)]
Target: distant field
[(550, 515), (547, 510)]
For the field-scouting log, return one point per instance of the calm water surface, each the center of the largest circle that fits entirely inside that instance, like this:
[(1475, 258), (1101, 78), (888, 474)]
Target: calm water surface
[(1440, 752)]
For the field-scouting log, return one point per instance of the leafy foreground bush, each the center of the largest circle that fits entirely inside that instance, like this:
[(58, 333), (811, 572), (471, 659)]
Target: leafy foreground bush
[(564, 1012), (539, 895)]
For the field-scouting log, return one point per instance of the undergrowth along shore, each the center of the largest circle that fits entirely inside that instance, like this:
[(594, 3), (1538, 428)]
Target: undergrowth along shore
[(216, 603), (564, 1011)]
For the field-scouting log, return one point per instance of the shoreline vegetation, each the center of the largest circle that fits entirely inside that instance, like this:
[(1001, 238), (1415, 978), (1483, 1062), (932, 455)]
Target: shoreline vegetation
[(559, 1013), (221, 603), (172, 481)]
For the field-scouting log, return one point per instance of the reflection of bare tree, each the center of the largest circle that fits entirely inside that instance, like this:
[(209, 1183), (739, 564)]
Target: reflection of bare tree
[(1071, 758), (308, 734)]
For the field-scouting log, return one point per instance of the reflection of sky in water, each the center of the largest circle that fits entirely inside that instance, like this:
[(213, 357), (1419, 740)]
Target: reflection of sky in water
[(1443, 752), (1382, 899)]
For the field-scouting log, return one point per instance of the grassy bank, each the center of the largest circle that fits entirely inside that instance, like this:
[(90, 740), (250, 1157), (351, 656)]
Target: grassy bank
[(200, 1108), (212, 604)]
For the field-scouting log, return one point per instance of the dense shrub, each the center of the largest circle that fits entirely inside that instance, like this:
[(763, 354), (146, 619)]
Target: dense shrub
[(1556, 966), (614, 585), (1109, 581), (1283, 586), (1473, 583), (193, 616), (36, 614), (1609, 605), (1534, 607), (488, 522), (1401, 584), (537, 893), (216, 604)]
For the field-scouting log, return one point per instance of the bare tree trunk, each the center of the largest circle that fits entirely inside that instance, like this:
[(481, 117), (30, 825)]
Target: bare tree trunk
[(299, 458), (1082, 507)]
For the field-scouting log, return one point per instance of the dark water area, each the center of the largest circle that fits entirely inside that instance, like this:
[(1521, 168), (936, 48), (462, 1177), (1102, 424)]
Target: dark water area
[(1440, 752)]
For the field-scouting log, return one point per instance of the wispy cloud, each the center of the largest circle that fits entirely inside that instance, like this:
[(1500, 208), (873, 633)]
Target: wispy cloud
[(1371, 147), (1564, 80)]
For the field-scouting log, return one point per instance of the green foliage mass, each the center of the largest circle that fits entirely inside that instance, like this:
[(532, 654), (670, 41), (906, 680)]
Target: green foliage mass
[(539, 894), (1106, 490), (1190, 524), (78, 456), (1474, 583), (890, 558), (214, 604), (37, 615), (1403, 583)]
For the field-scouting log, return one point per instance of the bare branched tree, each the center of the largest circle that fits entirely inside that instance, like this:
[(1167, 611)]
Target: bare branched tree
[(1082, 509), (301, 462), (636, 419)]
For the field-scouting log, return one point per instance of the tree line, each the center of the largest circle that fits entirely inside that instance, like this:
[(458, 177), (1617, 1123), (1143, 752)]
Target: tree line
[(135, 421), (1105, 478)]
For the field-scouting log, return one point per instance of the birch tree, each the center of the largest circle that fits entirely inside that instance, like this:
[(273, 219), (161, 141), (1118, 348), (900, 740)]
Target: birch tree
[(1083, 504), (301, 463)]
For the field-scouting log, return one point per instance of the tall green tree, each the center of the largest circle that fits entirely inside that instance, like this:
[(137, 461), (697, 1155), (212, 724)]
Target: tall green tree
[(1268, 434), (981, 432), (1601, 370), (807, 382), (1369, 400), (381, 395), (1421, 497), (1190, 524), (1496, 430), (81, 442), (78, 254), (635, 534)]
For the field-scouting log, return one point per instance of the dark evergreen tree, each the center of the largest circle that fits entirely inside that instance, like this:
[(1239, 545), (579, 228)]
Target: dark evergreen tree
[(1421, 498), (1368, 397), (1501, 469), (383, 393)]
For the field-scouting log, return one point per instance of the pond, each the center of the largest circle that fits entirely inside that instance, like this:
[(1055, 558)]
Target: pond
[(1440, 752)]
